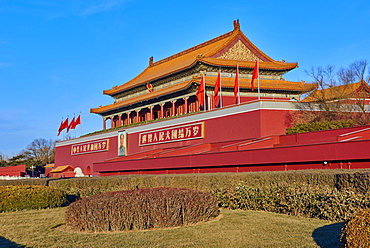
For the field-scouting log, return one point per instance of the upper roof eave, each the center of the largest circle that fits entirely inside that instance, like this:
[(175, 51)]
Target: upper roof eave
[(187, 58), (281, 85), (274, 65)]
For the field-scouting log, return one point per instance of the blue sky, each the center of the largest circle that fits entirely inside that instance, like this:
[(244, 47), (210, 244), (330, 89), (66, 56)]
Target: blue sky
[(56, 57)]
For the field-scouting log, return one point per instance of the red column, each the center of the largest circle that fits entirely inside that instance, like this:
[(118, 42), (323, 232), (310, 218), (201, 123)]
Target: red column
[(119, 120), (185, 107), (151, 113), (211, 102), (111, 122), (173, 108), (137, 115), (162, 114), (129, 118), (104, 124), (125, 121)]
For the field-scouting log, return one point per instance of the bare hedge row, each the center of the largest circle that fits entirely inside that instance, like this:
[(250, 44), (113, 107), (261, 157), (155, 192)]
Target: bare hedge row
[(325, 194), (355, 180), (141, 209), (308, 201)]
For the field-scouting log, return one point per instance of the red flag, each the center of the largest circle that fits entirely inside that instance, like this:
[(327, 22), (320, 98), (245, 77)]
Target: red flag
[(255, 74), (63, 125), (78, 121), (200, 92), (236, 85), (217, 88), (75, 122), (71, 125), (60, 128)]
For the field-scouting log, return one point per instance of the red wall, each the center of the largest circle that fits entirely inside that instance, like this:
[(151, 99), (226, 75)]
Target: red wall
[(63, 156), (234, 127), (246, 125), (17, 170), (351, 154)]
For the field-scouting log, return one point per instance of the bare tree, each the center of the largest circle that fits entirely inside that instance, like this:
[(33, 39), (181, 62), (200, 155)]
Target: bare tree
[(337, 96), (326, 78), (323, 76), (41, 150), (346, 76), (359, 69)]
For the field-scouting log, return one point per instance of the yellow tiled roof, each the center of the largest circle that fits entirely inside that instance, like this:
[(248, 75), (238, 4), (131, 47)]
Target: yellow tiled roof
[(49, 166), (155, 93), (210, 81), (61, 168), (274, 65), (204, 52), (336, 93)]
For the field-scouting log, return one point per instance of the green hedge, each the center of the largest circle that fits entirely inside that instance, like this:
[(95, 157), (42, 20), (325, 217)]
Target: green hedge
[(356, 231), (140, 209), (340, 190), (309, 201), (13, 198), (358, 182), (38, 181), (318, 126), (207, 182)]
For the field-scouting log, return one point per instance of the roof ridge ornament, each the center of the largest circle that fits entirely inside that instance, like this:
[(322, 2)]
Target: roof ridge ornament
[(151, 61), (236, 24)]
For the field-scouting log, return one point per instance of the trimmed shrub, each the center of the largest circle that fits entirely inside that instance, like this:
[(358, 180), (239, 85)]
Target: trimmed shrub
[(13, 198), (299, 200), (206, 182), (356, 231), (39, 181), (140, 209), (358, 182), (319, 126)]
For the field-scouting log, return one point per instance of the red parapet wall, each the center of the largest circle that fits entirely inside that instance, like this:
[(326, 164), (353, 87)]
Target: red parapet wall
[(220, 125), (349, 154), (246, 137)]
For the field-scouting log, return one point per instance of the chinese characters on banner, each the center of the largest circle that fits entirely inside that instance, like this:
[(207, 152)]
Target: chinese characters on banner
[(94, 146), (181, 133)]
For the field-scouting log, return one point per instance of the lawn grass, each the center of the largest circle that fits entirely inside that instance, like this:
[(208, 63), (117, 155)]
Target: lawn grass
[(235, 228)]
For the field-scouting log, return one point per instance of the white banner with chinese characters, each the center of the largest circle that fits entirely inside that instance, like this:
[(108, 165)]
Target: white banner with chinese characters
[(173, 134), (94, 146)]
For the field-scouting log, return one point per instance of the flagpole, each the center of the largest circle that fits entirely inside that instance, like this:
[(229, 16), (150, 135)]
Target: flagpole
[(220, 89), (62, 131), (59, 130), (205, 98), (74, 117), (64, 128), (259, 94), (238, 85), (80, 124)]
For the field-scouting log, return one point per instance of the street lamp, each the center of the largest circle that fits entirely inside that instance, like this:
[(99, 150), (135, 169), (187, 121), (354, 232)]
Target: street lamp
[(32, 168)]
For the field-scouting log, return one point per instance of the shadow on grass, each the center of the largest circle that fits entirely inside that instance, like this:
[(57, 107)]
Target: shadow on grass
[(6, 243), (328, 236)]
